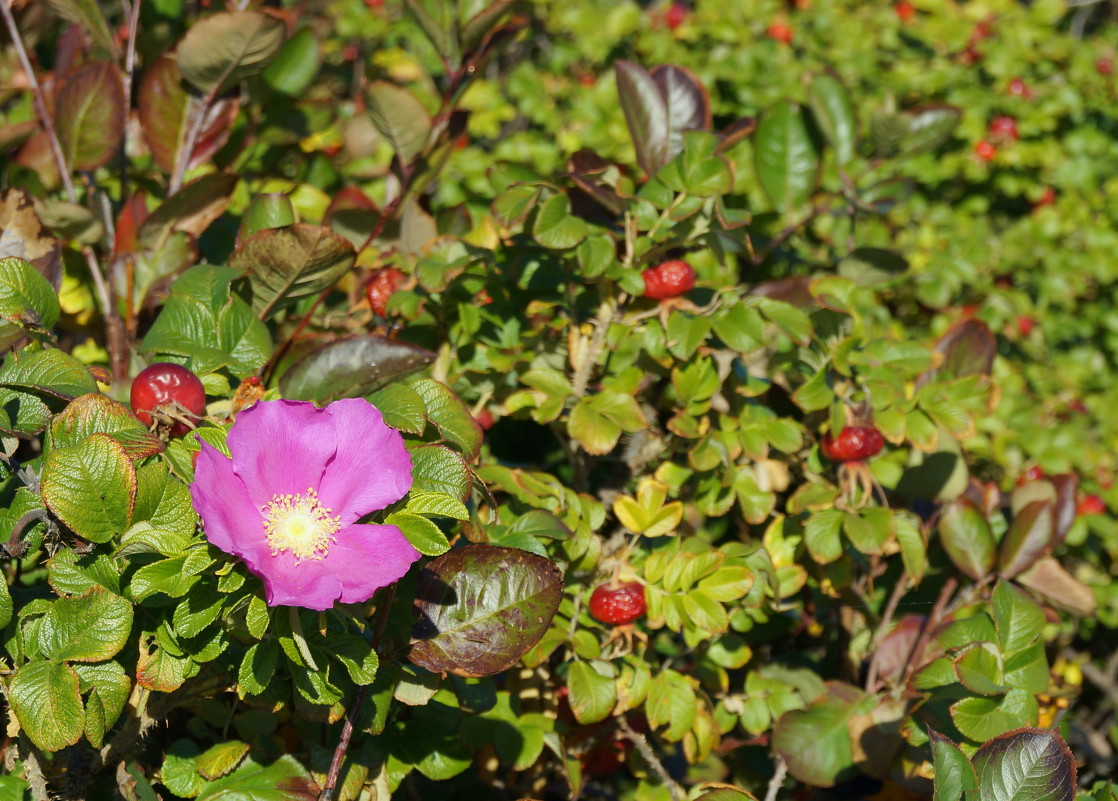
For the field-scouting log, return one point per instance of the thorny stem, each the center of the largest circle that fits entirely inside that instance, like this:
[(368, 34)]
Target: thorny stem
[(114, 329), (777, 780), (355, 706), (32, 768), (15, 547), (641, 742), (589, 356)]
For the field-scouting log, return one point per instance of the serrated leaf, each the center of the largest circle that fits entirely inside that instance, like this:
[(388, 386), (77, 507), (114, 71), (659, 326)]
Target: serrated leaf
[(90, 628), (436, 468), (449, 414), (46, 700), (555, 227), (1026, 765), (218, 760), (91, 487), (425, 536), (94, 413), (282, 780), (954, 774), (672, 701)]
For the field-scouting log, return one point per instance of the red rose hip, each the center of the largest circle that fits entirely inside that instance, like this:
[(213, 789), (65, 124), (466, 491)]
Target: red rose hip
[(669, 279), (618, 603), (169, 391), (1004, 128), (383, 283), (853, 444)]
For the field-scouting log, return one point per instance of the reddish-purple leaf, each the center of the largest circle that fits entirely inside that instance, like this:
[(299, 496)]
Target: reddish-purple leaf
[(1048, 579), (481, 608), (89, 115), (1029, 537), (968, 348), (167, 110)]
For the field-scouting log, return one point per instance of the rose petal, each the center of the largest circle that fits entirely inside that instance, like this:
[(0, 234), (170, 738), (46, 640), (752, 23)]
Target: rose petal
[(371, 468), (287, 583), (368, 557), (281, 448), (220, 498)]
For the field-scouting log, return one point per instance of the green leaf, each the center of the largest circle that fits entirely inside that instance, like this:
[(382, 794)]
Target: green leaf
[(954, 774), (672, 701), (741, 328), (224, 49), (285, 264), (91, 487), (218, 760), (597, 421), (400, 117), (821, 535), (358, 656), (816, 742), (47, 702), (555, 227), (449, 414), (785, 158), (1019, 619), (928, 128), (178, 773), (980, 719), (90, 628), (869, 530), (26, 297), (282, 780), (914, 550), (52, 373), (425, 536), (258, 667), (979, 669), (481, 608), (89, 115), (95, 413), (436, 503), (295, 65), (513, 206), (1026, 765), (436, 468), (402, 408), (592, 694), (967, 538), (834, 114), (111, 684)]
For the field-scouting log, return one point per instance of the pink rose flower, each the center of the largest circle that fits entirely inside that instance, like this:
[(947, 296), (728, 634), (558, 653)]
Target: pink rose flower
[(289, 499)]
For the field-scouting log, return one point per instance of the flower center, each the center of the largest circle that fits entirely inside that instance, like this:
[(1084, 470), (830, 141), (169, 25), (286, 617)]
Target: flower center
[(300, 524)]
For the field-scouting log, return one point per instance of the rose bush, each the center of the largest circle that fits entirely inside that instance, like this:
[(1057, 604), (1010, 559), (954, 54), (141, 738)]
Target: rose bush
[(415, 253)]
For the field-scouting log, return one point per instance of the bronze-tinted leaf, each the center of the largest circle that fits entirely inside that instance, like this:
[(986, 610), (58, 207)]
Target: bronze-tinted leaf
[(89, 115), (351, 367), (968, 348), (1048, 579), (23, 236), (94, 413), (967, 538), (1026, 765), (88, 14), (1029, 537), (735, 132), (191, 209), (686, 101), (659, 106), (285, 264), (224, 49), (1067, 504), (354, 215), (167, 110), (400, 117), (483, 607)]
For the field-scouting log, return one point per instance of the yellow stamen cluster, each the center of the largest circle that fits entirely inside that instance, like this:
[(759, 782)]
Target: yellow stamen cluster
[(300, 524)]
